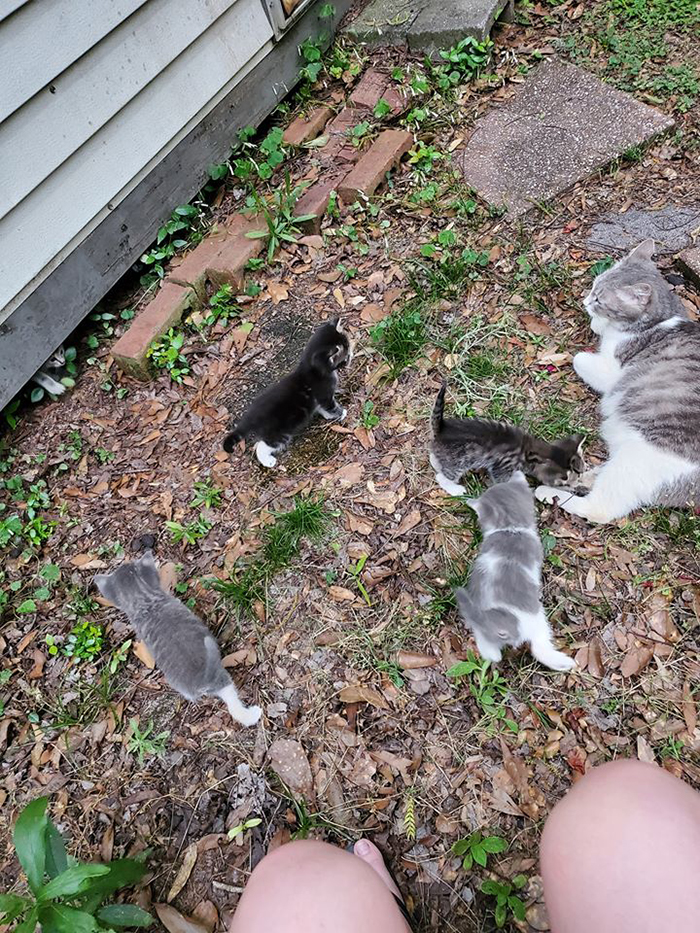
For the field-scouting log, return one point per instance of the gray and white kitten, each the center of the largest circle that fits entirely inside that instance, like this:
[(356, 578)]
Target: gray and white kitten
[(460, 445), (182, 646), (501, 603), (49, 374), (647, 370)]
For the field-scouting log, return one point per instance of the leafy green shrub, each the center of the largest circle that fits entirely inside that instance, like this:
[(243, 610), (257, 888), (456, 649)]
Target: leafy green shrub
[(165, 354), (463, 62), (477, 848), (282, 224), (84, 640), (175, 234), (71, 900), (401, 336), (506, 901)]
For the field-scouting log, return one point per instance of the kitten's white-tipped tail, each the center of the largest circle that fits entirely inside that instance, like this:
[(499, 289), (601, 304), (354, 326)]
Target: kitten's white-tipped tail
[(246, 715)]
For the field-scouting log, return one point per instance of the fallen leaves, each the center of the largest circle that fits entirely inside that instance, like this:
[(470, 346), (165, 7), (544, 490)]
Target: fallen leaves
[(636, 660), (175, 922), (362, 694), (288, 760), (188, 862)]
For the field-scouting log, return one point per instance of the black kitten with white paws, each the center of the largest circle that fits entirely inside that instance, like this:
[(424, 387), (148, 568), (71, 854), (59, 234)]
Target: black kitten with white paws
[(285, 408)]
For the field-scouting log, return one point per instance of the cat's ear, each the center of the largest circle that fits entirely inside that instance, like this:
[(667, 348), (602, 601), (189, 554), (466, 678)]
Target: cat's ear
[(148, 569), (635, 297), (473, 504), (574, 444), (335, 321), (148, 560), (518, 477), (645, 250)]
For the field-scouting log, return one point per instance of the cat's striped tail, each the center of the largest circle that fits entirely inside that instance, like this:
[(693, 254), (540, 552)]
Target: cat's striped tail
[(438, 415)]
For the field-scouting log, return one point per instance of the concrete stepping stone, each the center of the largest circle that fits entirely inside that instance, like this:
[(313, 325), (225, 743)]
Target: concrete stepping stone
[(669, 227), (425, 25), (560, 127)]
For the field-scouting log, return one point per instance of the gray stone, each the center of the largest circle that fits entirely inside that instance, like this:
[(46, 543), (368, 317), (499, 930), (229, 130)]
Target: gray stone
[(560, 127), (425, 25), (669, 227), (689, 261)]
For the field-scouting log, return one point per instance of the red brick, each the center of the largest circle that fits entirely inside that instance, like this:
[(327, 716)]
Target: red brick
[(227, 267), (159, 315), (304, 128), (315, 201), (397, 99), (370, 89), (384, 153), (192, 270)]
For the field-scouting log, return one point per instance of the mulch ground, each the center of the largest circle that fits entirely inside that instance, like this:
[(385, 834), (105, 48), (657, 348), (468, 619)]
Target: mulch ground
[(397, 749)]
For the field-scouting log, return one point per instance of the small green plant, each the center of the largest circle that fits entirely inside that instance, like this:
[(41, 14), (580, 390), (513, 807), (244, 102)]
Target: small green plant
[(368, 418), (222, 306), (84, 641), (165, 354), (424, 158), (66, 895), (307, 519), (477, 848), (175, 234), (10, 528), (464, 61), (283, 226), (311, 50), (600, 266), (401, 336), (381, 109), (355, 571), (144, 743), (37, 531), (242, 827), (206, 494), (243, 589), (507, 902), (119, 656), (487, 687), (103, 455), (191, 533)]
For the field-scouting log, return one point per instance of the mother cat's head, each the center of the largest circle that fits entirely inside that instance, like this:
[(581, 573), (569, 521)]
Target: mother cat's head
[(632, 295)]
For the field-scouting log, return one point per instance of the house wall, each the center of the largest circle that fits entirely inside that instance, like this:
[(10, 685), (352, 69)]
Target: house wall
[(99, 91)]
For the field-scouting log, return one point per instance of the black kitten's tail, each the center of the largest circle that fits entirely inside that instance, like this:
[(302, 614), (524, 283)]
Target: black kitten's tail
[(231, 439), (438, 415)]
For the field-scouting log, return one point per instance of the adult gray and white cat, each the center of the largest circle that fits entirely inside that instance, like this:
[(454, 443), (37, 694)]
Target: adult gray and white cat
[(502, 603), (647, 370), (460, 445), (48, 375), (182, 646)]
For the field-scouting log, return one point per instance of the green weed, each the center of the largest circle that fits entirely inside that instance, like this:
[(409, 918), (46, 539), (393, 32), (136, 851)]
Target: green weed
[(477, 848), (165, 354), (190, 533), (66, 894), (282, 224), (401, 336), (368, 418), (145, 743), (84, 640), (222, 306), (181, 230), (206, 494), (487, 687), (507, 902)]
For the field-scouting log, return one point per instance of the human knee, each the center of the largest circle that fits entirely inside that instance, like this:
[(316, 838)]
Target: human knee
[(294, 858)]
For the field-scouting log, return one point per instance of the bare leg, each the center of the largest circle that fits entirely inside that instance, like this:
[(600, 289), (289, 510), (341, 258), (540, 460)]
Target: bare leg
[(621, 853), (313, 887)]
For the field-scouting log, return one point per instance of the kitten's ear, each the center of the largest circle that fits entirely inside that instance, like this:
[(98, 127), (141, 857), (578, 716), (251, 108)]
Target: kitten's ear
[(636, 297), (473, 504), (645, 250), (148, 560), (103, 583), (335, 321), (148, 569), (518, 477)]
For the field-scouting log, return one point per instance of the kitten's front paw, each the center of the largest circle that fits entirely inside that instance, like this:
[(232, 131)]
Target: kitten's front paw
[(343, 414), (58, 389), (548, 494), (558, 661), (250, 716)]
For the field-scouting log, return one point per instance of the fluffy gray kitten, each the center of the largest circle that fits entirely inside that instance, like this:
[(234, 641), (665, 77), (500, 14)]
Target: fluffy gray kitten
[(182, 646), (501, 603), (460, 445), (647, 370)]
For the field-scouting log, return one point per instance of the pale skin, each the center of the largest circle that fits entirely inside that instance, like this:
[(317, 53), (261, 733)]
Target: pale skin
[(619, 854)]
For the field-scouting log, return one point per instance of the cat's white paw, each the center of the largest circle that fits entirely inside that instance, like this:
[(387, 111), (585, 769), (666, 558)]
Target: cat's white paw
[(264, 454), (582, 363), (558, 661), (249, 716), (343, 414), (452, 489), (58, 389), (549, 494)]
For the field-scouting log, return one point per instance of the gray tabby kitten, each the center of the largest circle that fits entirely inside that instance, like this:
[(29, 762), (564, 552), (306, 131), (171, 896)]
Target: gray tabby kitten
[(460, 445), (501, 603), (181, 645), (647, 370)]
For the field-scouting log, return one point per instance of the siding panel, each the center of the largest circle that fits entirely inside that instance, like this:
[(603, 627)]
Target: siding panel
[(65, 30), (94, 89), (103, 170)]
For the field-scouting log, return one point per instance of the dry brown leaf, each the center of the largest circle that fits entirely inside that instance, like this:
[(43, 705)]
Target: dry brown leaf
[(144, 655), (206, 913), (534, 324), (168, 576), (348, 474), (412, 659), (409, 521), (182, 877), (288, 760), (636, 660), (175, 922), (595, 657), (645, 751), (341, 594), (359, 523), (590, 580), (107, 844), (87, 562), (39, 662), (277, 292), (28, 638), (690, 714), (372, 313), (361, 694), (339, 297), (658, 618)]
